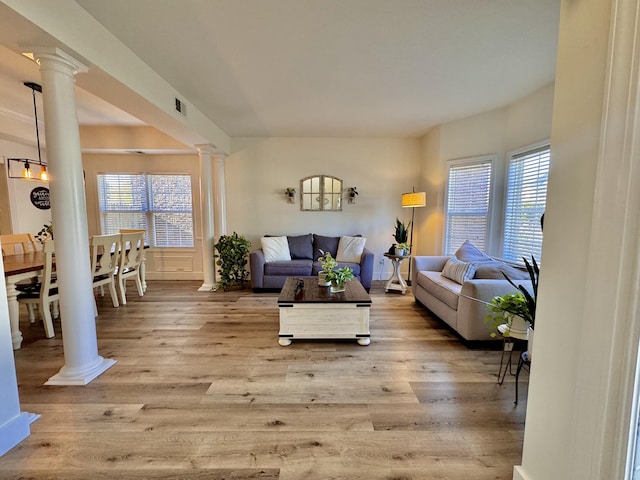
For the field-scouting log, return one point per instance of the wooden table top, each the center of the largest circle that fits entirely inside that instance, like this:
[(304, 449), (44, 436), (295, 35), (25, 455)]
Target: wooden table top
[(23, 262), (313, 293)]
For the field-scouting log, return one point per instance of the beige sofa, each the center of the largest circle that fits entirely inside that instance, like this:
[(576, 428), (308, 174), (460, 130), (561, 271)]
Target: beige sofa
[(461, 306)]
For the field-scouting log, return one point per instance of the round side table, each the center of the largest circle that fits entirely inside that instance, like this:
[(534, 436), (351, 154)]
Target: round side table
[(396, 282)]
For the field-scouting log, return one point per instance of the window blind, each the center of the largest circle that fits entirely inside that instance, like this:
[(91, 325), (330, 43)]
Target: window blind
[(159, 204), (525, 203), (467, 204)]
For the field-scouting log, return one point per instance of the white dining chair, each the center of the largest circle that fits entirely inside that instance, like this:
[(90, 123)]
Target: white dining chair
[(131, 255), (105, 251), (16, 243), (48, 293), (143, 264)]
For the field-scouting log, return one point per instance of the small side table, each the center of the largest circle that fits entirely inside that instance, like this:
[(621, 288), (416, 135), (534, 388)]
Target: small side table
[(509, 342), (396, 282)]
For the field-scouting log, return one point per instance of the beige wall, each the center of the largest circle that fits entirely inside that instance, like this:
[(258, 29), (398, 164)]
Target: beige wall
[(174, 263), (259, 169), (497, 133)]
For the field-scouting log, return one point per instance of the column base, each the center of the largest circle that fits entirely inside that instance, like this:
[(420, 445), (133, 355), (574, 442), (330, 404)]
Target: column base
[(70, 376), (14, 431), (207, 287)]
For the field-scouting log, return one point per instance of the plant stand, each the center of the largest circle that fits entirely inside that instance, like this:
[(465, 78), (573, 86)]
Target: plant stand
[(396, 282)]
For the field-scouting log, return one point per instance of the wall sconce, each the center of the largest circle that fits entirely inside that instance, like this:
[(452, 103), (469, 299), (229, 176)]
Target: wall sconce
[(352, 192), (290, 192)]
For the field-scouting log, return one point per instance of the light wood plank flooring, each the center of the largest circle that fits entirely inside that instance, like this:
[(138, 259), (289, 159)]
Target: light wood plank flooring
[(202, 390)]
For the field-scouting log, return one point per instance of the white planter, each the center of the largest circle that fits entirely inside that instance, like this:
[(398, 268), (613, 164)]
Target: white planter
[(401, 252), (530, 342), (517, 328)]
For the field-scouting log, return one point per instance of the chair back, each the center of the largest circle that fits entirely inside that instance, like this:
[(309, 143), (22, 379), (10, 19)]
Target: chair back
[(132, 250), (49, 285), (13, 244), (104, 254)]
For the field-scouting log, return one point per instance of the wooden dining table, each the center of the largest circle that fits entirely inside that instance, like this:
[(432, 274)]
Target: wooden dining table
[(19, 267)]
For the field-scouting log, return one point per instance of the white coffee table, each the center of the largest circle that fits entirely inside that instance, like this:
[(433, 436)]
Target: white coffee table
[(316, 313)]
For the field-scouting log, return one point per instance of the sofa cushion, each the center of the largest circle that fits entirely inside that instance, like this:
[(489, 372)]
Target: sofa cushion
[(459, 271), (445, 290), (350, 249), (301, 246), (276, 249), (292, 268), (326, 244), (493, 270), (468, 252)]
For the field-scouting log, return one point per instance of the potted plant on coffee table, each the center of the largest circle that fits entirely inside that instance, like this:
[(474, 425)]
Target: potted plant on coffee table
[(328, 263), (338, 277)]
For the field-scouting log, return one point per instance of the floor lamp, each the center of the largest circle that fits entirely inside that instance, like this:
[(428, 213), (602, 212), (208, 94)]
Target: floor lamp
[(413, 200)]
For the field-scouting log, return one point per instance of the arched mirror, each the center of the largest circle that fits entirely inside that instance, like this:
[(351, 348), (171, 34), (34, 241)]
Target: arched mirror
[(321, 193)]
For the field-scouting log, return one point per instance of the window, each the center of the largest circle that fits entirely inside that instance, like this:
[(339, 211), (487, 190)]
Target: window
[(159, 204), (525, 203), (467, 203)]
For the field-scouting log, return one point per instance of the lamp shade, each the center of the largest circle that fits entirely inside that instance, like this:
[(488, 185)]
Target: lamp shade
[(414, 199)]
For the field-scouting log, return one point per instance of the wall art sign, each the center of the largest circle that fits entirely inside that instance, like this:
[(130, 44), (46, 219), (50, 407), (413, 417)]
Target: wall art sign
[(40, 198)]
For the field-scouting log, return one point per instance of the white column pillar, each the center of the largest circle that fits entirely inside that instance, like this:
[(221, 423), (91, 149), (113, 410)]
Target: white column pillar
[(69, 215), (208, 233), (219, 200)]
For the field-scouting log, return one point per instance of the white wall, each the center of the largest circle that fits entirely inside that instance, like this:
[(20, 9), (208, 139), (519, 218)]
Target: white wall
[(497, 133), (259, 169)]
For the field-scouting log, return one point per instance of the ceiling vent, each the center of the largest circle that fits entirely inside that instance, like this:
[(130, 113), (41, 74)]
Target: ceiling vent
[(181, 107)]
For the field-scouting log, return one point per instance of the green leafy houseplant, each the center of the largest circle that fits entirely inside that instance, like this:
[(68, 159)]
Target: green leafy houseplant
[(401, 234), (353, 191), (338, 277), (521, 302), (232, 259), (290, 191), (46, 233), (327, 262)]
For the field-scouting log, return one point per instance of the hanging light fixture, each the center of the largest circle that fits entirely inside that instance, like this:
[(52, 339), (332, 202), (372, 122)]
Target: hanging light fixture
[(26, 171)]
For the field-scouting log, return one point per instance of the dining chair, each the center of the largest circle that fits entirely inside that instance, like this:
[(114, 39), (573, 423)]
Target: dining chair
[(143, 265), (16, 243), (131, 254), (48, 293), (104, 263)]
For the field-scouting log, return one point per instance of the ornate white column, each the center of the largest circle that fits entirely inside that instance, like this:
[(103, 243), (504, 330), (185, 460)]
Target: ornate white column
[(69, 216), (207, 202), (219, 199)]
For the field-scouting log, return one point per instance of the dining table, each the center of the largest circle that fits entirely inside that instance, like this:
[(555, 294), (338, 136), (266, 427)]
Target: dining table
[(19, 267)]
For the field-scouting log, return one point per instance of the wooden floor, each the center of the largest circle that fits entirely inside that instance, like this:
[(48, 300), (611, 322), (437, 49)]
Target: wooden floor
[(202, 390)]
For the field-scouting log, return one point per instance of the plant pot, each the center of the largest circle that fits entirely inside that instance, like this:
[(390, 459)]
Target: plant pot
[(322, 280), (530, 342), (401, 252), (518, 327), (337, 288)]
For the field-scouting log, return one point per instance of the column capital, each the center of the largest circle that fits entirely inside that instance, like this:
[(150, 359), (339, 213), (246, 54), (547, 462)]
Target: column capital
[(52, 57), (211, 150)]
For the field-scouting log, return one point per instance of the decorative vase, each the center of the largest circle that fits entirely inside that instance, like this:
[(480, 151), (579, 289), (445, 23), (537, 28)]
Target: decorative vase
[(322, 279), (337, 288)]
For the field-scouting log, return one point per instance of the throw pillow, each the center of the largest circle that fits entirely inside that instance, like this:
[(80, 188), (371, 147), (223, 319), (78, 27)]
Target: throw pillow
[(459, 271), (326, 244), (468, 252), (275, 249), (350, 249), (493, 270), (301, 246)]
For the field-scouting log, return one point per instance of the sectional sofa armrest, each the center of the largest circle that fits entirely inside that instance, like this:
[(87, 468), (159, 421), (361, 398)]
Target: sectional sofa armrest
[(367, 262), (256, 264), (433, 263)]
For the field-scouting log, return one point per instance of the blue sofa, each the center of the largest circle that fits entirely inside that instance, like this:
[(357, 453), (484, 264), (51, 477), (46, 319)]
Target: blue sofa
[(305, 250)]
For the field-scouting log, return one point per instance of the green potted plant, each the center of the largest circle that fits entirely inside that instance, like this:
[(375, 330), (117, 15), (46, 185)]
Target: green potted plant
[(328, 263), (338, 277), (232, 259), (401, 236), (290, 193)]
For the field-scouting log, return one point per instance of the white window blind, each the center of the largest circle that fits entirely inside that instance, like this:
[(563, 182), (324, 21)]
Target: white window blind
[(159, 204), (525, 203), (467, 204)]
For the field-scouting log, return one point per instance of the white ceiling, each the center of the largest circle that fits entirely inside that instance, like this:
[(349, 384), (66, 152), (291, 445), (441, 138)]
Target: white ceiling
[(329, 67)]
